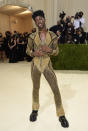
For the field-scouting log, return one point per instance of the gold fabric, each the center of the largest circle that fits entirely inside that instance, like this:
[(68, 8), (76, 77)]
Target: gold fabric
[(43, 65), (42, 62), (45, 60), (52, 80)]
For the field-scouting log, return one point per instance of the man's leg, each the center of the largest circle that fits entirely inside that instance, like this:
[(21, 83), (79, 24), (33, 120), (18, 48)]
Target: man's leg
[(36, 74), (51, 78)]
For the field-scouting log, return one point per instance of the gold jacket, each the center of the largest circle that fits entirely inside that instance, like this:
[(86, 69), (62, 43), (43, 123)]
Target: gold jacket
[(34, 43)]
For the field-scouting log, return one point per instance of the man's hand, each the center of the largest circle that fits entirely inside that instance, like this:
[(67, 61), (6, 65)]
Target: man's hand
[(42, 51), (46, 49), (38, 53)]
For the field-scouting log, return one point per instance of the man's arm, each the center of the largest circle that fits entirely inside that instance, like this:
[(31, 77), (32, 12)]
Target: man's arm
[(29, 49), (55, 49)]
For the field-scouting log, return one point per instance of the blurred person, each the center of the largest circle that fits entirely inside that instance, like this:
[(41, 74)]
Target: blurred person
[(76, 22), (87, 37), (6, 41), (61, 37), (81, 19), (13, 50), (25, 40), (69, 33), (80, 36), (20, 47), (2, 48)]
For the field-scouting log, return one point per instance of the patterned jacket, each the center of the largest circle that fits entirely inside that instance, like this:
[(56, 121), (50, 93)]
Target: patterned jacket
[(34, 43)]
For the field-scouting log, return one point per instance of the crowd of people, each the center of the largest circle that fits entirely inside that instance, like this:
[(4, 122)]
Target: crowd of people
[(13, 46), (70, 29)]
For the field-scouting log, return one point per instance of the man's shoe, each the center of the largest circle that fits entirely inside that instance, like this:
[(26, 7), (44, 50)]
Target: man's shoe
[(33, 116), (64, 122)]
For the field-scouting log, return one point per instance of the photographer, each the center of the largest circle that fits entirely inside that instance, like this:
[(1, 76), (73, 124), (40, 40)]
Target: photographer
[(76, 22), (61, 37), (62, 20), (81, 19), (79, 36), (58, 27), (69, 33)]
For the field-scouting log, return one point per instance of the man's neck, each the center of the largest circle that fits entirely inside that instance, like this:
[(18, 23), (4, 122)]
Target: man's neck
[(43, 30)]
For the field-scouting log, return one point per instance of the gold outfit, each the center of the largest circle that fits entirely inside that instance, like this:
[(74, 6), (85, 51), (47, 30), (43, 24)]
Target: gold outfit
[(43, 65)]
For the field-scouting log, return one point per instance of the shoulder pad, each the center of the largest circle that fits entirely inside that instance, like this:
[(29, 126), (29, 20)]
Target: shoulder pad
[(53, 35), (32, 36)]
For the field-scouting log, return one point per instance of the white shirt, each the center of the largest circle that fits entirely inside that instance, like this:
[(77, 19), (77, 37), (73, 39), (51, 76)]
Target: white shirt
[(82, 20), (76, 23)]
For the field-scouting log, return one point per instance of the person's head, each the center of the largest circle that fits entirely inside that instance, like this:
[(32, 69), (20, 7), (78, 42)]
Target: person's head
[(39, 18), (8, 33), (79, 31), (80, 14), (58, 22), (77, 15)]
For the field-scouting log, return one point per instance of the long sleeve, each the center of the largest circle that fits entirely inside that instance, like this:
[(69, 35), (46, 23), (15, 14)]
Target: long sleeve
[(29, 49), (55, 49)]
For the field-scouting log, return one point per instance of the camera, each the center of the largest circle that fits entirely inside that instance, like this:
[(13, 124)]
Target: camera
[(80, 14), (62, 15)]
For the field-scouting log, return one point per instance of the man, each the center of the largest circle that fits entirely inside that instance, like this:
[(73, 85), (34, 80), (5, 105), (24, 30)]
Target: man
[(41, 45), (81, 19)]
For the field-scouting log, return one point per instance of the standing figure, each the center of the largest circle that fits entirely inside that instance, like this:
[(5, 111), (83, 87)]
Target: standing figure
[(41, 45), (13, 51), (2, 48)]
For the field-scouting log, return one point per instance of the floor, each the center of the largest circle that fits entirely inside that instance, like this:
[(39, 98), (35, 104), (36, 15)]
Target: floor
[(16, 100)]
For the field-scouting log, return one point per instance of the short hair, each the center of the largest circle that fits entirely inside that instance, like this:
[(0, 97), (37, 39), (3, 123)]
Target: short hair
[(38, 13)]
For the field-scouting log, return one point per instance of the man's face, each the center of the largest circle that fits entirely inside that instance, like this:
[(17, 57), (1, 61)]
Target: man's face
[(40, 22)]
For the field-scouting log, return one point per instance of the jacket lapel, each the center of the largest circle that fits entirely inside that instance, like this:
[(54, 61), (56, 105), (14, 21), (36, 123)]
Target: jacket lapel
[(37, 40), (49, 38)]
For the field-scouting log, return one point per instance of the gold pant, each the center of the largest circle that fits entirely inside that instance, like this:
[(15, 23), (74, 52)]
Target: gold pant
[(51, 78)]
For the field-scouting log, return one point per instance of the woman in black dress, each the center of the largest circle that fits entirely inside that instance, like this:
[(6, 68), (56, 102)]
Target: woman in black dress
[(12, 46)]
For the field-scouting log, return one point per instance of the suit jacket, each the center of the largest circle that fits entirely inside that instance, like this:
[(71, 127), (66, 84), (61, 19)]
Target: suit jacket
[(34, 43)]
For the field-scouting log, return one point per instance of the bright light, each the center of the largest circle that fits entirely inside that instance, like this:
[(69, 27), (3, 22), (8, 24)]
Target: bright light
[(25, 12), (13, 7), (16, 7)]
